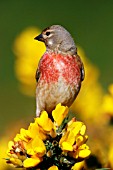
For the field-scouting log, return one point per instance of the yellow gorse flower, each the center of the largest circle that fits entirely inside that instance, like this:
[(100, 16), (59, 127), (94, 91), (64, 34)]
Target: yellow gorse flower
[(73, 140), (46, 140)]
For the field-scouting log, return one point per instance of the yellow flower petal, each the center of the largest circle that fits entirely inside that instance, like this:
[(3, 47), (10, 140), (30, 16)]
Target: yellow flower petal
[(35, 130), (73, 134), (81, 140), (53, 133), (44, 118), (10, 144), (53, 168), (78, 165), (16, 161), (17, 137), (59, 113), (24, 135), (83, 130), (84, 153), (29, 148), (75, 127), (64, 138), (36, 145), (66, 146), (71, 138), (31, 162), (68, 137)]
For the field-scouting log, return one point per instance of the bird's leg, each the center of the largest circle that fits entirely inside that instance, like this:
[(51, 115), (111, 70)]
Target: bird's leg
[(37, 113), (40, 106), (38, 110)]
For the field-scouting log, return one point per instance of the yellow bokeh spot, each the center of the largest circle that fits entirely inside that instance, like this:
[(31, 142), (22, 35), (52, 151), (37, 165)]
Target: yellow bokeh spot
[(107, 105), (91, 92), (110, 88), (110, 155), (28, 53)]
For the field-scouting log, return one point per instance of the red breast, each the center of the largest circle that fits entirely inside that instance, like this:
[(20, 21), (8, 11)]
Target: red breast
[(52, 66)]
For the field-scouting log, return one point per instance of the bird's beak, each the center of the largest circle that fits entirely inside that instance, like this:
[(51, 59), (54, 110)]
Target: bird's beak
[(39, 38)]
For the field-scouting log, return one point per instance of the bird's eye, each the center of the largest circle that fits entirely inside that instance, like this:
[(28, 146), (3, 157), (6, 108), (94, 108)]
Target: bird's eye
[(47, 33)]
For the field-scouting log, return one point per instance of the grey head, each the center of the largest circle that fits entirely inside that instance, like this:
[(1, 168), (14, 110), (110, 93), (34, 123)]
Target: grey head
[(57, 39)]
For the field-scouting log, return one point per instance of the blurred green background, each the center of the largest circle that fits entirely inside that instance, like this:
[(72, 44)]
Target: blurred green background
[(90, 23)]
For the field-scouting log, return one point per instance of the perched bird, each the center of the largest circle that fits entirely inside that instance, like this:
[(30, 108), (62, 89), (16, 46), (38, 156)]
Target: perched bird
[(60, 70)]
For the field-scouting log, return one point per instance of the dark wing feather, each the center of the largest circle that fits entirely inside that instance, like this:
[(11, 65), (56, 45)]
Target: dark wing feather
[(37, 75), (81, 67), (82, 72)]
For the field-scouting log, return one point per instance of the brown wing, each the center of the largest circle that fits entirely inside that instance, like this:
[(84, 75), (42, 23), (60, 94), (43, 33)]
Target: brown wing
[(81, 67), (82, 72), (37, 75)]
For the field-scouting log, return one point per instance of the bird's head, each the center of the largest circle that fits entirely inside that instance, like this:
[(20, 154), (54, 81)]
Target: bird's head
[(58, 39)]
